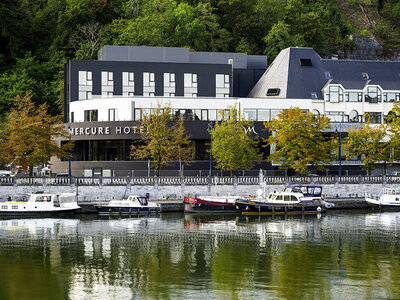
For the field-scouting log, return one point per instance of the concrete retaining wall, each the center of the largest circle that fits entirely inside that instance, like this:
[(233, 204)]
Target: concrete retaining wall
[(172, 192)]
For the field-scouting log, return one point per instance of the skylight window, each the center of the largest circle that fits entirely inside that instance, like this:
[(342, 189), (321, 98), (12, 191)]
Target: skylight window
[(273, 92), (305, 62), (328, 75), (365, 76), (314, 96)]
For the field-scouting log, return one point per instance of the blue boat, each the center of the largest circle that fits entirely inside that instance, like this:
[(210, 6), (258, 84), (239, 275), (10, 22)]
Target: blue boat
[(294, 199)]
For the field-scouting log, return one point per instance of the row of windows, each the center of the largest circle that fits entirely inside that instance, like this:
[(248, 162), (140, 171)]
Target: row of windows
[(189, 114), (250, 114), (373, 94), (352, 117), (128, 84)]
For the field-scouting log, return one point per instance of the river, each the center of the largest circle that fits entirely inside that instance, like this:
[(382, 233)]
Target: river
[(340, 255)]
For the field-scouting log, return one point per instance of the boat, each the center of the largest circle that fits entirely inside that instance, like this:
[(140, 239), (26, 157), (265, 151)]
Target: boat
[(133, 204), (294, 199), (386, 199), (210, 204), (41, 204)]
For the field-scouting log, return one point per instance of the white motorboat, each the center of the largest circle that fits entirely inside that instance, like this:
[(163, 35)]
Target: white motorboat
[(387, 199), (41, 204), (131, 205)]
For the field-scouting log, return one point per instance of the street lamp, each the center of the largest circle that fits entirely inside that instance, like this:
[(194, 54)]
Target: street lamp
[(340, 148), (210, 127)]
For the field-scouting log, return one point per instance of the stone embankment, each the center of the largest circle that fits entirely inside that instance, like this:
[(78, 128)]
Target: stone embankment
[(346, 191)]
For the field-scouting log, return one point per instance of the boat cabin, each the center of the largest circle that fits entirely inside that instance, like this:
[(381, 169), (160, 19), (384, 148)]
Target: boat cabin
[(306, 190), (140, 199)]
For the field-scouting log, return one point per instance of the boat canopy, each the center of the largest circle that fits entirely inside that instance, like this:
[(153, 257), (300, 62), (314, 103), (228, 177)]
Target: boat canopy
[(306, 190)]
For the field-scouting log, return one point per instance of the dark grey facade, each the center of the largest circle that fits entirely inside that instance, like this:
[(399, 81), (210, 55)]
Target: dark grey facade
[(107, 144)]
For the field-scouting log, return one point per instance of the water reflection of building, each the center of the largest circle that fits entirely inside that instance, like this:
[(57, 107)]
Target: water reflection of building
[(37, 227)]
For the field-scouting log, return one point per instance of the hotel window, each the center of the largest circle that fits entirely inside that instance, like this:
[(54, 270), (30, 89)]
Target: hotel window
[(212, 114), (85, 85), (353, 97), (128, 84), (250, 114), (72, 119), (263, 115), (373, 94), (204, 114), (197, 114), (274, 113), (334, 116), (169, 84), (149, 84), (374, 117), (138, 114), (112, 114), (91, 115), (221, 86), (107, 84), (190, 85), (273, 92), (354, 116), (334, 94), (315, 112), (391, 97)]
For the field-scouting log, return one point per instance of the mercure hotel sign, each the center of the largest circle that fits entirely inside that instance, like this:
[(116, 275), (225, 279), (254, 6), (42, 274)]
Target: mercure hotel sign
[(106, 130)]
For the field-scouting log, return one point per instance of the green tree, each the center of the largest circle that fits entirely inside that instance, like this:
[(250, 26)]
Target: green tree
[(28, 138), (233, 148), (163, 139), (368, 144), (297, 140), (280, 38)]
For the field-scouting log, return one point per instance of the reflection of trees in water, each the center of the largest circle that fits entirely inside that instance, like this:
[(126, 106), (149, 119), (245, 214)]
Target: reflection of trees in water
[(235, 257)]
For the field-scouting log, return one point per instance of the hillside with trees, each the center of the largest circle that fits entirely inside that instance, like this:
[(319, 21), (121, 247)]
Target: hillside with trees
[(38, 37)]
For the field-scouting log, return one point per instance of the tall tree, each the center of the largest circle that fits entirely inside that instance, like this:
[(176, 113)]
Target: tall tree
[(233, 147), (28, 138), (368, 144), (393, 130), (163, 139), (297, 140)]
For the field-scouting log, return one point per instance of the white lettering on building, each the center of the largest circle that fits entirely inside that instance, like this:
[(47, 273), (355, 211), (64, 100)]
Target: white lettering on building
[(106, 130)]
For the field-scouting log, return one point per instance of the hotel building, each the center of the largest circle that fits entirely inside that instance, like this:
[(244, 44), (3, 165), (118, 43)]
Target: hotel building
[(105, 99)]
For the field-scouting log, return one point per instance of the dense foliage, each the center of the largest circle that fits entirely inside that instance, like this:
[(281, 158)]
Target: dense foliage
[(29, 138), (369, 145), (233, 146), (298, 140), (163, 139), (38, 37)]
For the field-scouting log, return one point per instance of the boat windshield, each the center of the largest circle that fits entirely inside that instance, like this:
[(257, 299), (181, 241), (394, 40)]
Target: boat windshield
[(142, 200)]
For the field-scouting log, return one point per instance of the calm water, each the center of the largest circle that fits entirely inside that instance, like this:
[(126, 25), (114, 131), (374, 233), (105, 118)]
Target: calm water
[(353, 255)]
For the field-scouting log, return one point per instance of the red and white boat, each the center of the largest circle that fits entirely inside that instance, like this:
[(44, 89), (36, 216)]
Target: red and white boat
[(210, 204)]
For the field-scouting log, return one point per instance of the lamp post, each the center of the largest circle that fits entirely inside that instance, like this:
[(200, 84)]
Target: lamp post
[(69, 157), (340, 149), (210, 127)]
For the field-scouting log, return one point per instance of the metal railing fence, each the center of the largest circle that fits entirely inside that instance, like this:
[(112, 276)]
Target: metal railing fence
[(195, 180)]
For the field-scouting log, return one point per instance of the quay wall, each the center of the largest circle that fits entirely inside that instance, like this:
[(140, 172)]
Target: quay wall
[(101, 192)]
